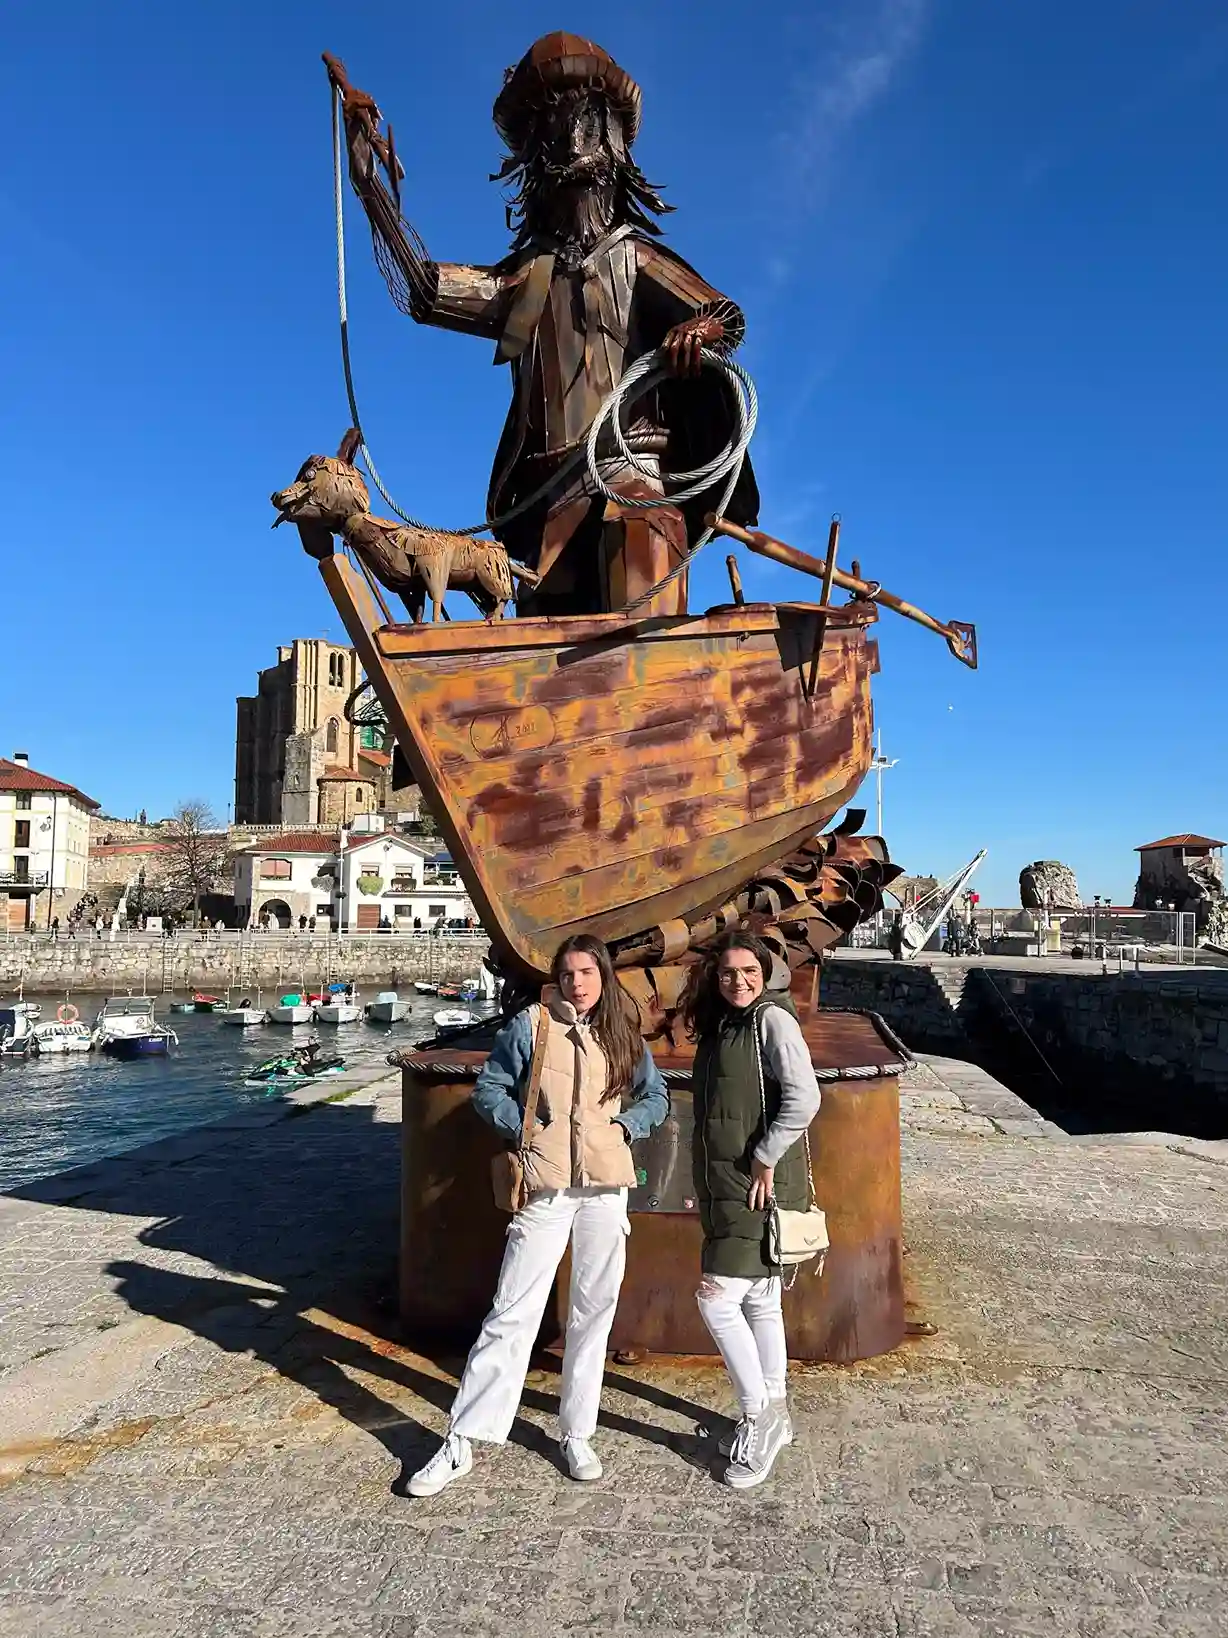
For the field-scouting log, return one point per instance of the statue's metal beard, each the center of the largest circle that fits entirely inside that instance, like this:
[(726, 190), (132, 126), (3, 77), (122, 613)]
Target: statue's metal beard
[(578, 201)]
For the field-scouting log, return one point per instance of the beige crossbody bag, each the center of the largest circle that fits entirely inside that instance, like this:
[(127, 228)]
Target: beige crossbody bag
[(507, 1167), (793, 1237)]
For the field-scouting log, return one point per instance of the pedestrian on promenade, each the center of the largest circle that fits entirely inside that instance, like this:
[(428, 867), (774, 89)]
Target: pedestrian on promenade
[(755, 1096), (589, 1060), (55, 929)]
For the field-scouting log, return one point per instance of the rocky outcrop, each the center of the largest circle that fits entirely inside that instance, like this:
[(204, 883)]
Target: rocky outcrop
[(908, 889), (1048, 884)]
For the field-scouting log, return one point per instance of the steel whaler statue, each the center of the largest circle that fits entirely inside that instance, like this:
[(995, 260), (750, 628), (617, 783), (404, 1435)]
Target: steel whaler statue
[(606, 760)]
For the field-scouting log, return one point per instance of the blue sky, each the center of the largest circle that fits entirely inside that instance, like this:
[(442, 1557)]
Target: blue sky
[(981, 249)]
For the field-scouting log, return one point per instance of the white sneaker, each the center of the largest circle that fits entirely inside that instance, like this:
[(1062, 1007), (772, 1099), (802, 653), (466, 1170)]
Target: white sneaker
[(452, 1460), (759, 1440), (725, 1446), (582, 1460)]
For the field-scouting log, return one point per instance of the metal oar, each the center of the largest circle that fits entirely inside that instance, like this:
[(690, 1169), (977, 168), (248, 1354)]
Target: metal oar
[(960, 637)]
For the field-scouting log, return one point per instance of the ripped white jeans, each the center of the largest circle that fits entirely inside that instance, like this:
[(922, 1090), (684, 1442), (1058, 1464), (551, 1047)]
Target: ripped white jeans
[(744, 1320), (595, 1221)]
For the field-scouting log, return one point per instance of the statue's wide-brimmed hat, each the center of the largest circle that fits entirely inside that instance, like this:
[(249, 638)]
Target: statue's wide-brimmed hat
[(563, 62)]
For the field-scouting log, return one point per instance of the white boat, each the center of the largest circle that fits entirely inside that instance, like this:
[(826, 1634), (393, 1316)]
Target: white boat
[(426, 989), (69, 1036), (339, 1008), (454, 1017), (31, 1009), (127, 1028), (243, 1017), (387, 1008), (16, 1032), (291, 1009)]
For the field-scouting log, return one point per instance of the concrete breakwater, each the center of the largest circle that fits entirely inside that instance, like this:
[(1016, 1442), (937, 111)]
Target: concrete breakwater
[(1150, 1046), (247, 962)]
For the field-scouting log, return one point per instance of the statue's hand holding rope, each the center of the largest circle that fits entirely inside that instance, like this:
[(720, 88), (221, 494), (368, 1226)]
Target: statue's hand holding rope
[(683, 344), (362, 120)]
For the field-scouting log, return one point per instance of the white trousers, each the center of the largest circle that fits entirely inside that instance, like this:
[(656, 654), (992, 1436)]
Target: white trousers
[(595, 1221), (744, 1320)]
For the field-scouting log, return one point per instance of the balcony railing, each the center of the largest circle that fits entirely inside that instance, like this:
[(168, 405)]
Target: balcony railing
[(32, 880)]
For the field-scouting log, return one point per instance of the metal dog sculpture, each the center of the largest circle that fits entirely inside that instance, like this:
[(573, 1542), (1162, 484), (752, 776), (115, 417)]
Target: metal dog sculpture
[(329, 497)]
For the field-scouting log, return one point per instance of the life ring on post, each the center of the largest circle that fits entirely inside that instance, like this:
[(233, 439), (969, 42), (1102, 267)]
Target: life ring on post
[(67, 1013)]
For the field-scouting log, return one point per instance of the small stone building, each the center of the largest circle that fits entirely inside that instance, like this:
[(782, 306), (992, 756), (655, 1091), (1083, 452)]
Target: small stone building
[(1186, 871)]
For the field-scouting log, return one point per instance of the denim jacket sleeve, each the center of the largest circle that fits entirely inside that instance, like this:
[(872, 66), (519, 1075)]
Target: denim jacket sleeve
[(649, 1101), (497, 1092)]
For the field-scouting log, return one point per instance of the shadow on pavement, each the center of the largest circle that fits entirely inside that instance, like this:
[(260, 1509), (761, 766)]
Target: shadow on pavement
[(309, 1210)]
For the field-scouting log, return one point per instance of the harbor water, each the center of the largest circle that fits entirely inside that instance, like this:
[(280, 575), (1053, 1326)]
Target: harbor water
[(58, 1111)]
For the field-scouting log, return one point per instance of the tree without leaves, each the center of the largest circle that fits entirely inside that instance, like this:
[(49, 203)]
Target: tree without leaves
[(199, 857)]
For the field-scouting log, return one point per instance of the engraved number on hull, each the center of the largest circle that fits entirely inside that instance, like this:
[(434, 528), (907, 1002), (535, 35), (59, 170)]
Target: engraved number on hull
[(506, 731)]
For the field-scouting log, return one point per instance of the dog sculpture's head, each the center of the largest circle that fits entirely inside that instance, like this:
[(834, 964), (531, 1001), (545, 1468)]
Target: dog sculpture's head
[(328, 490)]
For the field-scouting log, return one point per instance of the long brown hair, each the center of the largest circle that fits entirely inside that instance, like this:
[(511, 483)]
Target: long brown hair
[(702, 1006), (616, 1035)]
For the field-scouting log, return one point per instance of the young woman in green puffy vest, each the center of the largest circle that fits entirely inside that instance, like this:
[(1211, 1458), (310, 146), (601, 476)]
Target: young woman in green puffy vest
[(755, 1096)]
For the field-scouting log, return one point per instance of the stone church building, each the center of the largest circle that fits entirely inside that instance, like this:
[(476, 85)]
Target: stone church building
[(297, 760)]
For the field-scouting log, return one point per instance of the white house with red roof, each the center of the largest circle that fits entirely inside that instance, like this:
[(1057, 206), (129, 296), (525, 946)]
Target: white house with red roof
[(44, 845), (360, 881)]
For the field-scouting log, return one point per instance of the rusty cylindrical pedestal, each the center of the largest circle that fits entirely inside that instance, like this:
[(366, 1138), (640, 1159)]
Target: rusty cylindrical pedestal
[(452, 1236)]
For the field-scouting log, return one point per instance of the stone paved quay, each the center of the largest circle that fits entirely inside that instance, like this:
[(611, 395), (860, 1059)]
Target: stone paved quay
[(203, 1430)]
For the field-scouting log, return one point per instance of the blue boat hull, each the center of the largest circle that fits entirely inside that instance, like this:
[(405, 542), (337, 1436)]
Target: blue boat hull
[(139, 1046)]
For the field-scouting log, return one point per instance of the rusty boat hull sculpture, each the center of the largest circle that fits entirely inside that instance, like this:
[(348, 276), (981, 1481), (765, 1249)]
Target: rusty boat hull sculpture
[(617, 774)]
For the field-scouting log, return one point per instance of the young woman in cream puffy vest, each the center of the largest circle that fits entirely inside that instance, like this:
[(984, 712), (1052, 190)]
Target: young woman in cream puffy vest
[(600, 1091)]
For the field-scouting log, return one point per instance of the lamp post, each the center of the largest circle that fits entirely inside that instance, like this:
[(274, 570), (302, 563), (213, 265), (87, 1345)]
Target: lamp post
[(878, 766)]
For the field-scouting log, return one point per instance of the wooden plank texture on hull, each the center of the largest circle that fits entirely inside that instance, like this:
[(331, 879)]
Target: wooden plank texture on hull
[(608, 773)]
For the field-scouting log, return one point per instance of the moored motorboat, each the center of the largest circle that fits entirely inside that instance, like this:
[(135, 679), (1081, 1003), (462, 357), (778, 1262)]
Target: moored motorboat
[(426, 989), (387, 1008), (208, 1003), (52, 1035), (126, 1028), (454, 1017), (245, 1015), (32, 1010), (339, 1006), (16, 1033), (291, 1009), (182, 1007)]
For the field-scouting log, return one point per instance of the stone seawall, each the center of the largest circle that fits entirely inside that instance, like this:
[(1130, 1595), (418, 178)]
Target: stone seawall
[(257, 962), (921, 1006), (1150, 1037), (1130, 1039)]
